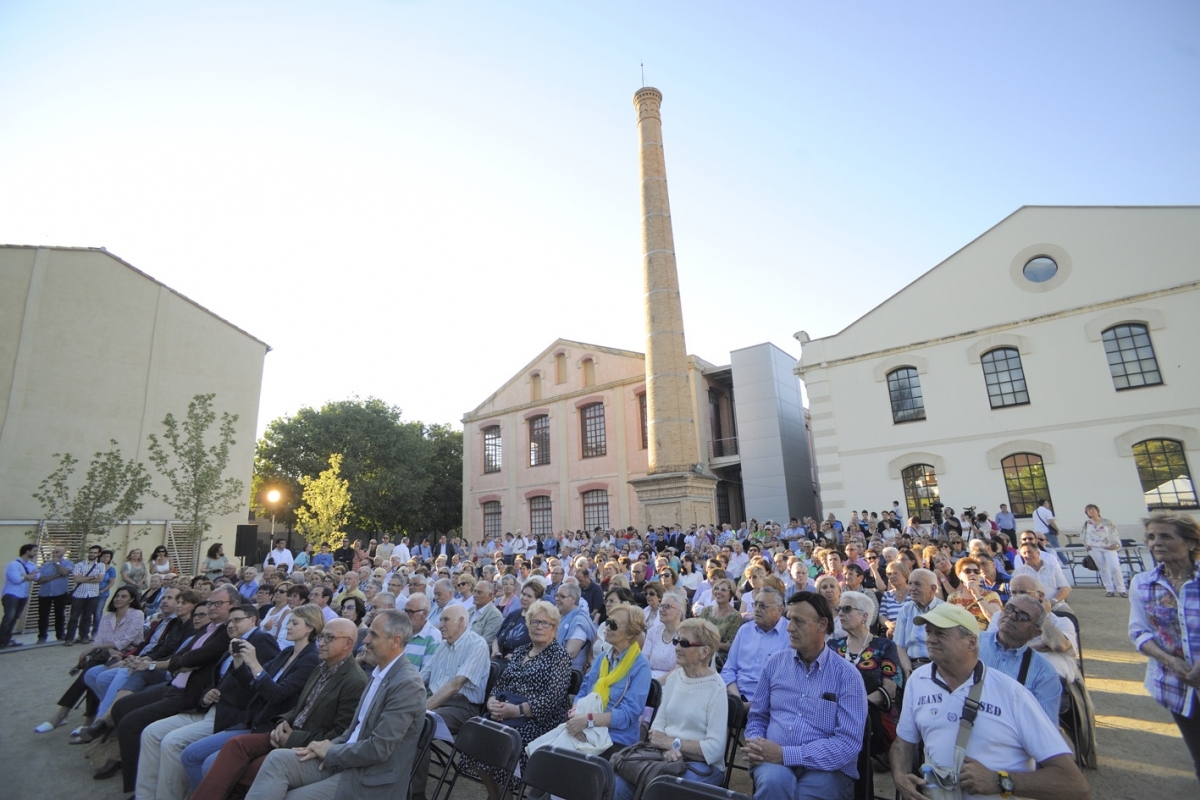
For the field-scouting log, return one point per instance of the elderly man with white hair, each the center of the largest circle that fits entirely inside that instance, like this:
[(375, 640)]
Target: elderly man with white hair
[(443, 598), (909, 636), (1056, 640)]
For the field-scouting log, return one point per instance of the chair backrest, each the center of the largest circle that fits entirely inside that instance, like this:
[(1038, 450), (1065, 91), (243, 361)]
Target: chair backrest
[(1078, 639), (864, 786), (423, 744), (654, 698), (495, 670), (490, 743), (668, 787), (734, 727), (576, 682), (569, 774)]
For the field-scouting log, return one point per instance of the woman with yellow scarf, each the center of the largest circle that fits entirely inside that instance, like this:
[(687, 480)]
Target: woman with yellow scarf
[(621, 678)]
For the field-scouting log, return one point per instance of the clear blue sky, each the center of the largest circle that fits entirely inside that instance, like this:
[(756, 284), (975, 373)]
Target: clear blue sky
[(412, 199)]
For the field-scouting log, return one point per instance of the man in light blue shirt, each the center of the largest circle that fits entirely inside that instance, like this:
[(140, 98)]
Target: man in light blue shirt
[(54, 581), (1007, 649), (1007, 523), (910, 637), (17, 577), (753, 644)]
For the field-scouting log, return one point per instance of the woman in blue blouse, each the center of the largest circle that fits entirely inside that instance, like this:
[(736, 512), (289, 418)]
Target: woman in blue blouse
[(110, 575), (621, 678)]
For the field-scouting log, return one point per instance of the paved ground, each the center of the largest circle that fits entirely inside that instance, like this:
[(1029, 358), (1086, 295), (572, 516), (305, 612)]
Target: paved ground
[(1141, 753)]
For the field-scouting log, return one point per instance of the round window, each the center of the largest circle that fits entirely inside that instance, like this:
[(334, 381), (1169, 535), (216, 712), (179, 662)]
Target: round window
[(1040, 269)]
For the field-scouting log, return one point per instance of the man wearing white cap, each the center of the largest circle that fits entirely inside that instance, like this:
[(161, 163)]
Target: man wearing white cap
[(980, 727)]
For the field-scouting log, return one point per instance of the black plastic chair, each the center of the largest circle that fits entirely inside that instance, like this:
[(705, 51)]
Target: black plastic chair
[(733, 739), (423, 744), (576, 683), (654, 699), (864, 786), (495, 670), (487, 742), (568, 774), (667, 787)]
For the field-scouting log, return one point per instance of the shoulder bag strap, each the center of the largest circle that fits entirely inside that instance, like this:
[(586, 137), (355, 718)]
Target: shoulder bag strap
[(1024, 672), (970, 710)]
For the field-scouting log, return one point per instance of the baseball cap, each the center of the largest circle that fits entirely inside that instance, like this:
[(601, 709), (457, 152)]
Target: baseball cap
[(949, 615)]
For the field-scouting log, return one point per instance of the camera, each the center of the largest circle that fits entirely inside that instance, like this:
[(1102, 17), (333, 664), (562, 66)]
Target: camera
[(238, 647), (969, 511)]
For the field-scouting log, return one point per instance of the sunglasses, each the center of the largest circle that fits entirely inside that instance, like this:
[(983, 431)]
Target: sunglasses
[(1020, 615), (612, 625), (972, 571), (846, 609), (684, 643)]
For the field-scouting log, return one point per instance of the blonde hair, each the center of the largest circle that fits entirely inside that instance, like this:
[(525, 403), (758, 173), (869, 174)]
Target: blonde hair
[(312, 616), (637, 620), (546, 608), (702, 631)]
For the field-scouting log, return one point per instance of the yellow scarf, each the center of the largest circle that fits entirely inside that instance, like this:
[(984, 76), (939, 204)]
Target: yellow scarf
[(608, 679)]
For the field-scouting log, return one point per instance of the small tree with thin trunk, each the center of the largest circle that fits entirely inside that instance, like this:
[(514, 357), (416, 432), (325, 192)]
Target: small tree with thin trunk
[(326, 505), (111, 493), (194, 468)]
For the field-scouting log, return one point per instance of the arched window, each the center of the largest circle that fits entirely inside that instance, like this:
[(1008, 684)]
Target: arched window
[(595, 509), (560, 367), (491, 449), (1131, 358), (1025, 480), (535, 386), (492, 519), (541, 520), (1005, 378), (539, 441), (589, 372), (920, 490), (908, 405), (1163, 470), (591, 419)]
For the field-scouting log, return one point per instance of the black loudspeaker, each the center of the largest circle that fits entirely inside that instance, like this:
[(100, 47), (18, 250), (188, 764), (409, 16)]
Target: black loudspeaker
[(247, 541)]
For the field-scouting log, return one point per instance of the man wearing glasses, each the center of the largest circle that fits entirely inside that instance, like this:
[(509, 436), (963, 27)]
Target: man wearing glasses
[(422, 644), (754, 644), (1007, 649)]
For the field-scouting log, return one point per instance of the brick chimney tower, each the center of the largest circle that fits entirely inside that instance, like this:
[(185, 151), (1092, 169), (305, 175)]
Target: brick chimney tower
[(677, 489)]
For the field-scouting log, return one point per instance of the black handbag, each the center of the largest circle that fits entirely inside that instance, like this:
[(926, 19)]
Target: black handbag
[(1090, 563), (641, 763)]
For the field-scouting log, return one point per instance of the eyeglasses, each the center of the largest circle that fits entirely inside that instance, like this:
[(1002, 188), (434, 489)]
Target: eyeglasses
[(971, 571), (846, 609), (685, 644), (232, 620), (761, 606), (541, 623), (612, 625), (217, 603), (872, 558), (1020, 615), (327, 638)]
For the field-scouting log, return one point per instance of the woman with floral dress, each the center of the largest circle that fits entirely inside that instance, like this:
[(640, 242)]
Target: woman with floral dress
[(877, 661)]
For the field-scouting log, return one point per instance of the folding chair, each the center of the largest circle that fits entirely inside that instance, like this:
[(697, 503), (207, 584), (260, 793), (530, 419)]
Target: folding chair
[(423, 744), (733, 739), (1129, 555), (1078, 639), (576, 683), (667, 787), (864, 786), (568, 774), (495, 670), (489, 743), (1077, 718), (654, 699)]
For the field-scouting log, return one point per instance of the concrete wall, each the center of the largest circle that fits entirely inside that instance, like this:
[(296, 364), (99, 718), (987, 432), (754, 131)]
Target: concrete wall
[(91, 349), (1116, 264)]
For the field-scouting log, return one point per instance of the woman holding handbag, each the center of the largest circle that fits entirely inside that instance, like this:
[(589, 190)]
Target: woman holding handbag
[(1103, 543), (621, 680), (687, 737)]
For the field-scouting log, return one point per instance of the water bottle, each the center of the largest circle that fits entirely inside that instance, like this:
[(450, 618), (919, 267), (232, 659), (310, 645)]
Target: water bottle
[(929, 785)]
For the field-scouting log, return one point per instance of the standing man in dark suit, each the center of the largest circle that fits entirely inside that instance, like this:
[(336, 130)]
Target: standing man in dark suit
[(444, 548), (373, 759)]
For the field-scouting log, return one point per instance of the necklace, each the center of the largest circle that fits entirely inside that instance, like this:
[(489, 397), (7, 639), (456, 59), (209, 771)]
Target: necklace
[(854, 658)]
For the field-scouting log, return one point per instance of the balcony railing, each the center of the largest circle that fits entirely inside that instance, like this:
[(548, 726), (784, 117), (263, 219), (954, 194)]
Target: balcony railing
[(723, 448)]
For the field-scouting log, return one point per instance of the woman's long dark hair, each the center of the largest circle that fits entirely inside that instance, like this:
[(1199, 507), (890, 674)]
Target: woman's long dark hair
[(135, 601)]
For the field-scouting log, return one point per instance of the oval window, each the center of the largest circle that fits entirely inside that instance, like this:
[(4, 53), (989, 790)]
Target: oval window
[(1040, 269)]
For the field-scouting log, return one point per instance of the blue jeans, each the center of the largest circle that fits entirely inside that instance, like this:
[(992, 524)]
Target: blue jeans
[(777, 782), (696, 771), (13, 608), (105, 683), (197, 756)]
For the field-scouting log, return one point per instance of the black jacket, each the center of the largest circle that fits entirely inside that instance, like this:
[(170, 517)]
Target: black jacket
[(236, 693)]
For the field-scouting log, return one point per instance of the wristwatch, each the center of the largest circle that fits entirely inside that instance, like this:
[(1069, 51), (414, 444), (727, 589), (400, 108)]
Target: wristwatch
[(591, 720), (153, 665), (1006, 784), (677, 744)]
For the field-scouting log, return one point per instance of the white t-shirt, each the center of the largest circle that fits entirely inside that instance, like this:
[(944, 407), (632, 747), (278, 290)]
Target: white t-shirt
[(1041, 519), (1011, 732)]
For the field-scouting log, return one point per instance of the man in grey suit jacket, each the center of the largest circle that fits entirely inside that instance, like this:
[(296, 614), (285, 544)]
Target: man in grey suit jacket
[(373, 759)]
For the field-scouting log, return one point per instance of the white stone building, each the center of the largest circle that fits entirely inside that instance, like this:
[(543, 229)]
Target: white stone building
[(1056, 355)]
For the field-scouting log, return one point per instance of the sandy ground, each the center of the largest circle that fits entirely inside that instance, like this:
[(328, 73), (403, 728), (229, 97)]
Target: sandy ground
[(1141, 752)]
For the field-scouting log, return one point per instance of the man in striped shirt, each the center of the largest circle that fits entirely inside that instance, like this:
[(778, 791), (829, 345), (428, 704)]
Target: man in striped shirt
[(425, 638), (808, 715)]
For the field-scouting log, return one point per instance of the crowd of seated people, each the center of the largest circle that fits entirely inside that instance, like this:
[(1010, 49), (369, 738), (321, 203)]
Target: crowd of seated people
[(207, 682)]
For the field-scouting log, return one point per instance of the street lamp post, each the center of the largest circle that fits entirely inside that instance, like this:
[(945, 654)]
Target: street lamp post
[(273, 499)]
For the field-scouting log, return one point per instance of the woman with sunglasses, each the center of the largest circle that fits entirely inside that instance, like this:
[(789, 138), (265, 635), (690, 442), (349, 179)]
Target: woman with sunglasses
[(621, 679), (878, 664), (692, 719), (972, 594)]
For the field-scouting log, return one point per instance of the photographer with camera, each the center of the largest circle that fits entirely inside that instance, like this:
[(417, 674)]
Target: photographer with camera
[(984, 733)]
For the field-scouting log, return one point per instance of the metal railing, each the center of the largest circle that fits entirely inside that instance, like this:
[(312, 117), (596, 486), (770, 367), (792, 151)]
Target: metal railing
[(723, 448)]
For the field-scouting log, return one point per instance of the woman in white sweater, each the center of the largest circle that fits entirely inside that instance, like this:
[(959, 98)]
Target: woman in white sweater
[(692, 720)]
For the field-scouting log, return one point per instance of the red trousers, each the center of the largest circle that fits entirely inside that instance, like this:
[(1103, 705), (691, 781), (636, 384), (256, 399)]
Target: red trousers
[(238, 762)]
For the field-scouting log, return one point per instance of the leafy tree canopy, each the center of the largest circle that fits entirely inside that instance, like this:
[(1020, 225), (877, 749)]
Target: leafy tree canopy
[(322, 517), (402, 476), (111, 493)]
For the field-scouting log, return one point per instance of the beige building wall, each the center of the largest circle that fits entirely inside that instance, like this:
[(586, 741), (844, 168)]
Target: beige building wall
[(1115, 265), (617, 379), (92, 349)]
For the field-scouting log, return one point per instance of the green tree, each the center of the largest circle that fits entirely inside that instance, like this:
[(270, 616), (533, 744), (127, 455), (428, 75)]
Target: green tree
[(111, 493), (322, 518), (194, 468), (400, 473)]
